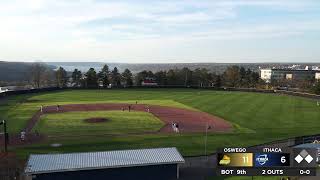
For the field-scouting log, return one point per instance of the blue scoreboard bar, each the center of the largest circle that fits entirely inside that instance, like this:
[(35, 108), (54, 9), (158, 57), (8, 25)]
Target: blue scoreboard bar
[(271, 159)]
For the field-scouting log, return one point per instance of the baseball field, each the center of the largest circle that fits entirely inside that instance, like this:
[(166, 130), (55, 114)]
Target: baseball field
[(97, 120)]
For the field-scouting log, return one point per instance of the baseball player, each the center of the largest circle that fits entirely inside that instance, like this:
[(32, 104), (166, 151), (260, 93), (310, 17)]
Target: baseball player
[(22, 135), (177, 128)]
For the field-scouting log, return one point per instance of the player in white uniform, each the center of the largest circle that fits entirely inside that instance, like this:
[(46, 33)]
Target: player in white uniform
[(22, 135)]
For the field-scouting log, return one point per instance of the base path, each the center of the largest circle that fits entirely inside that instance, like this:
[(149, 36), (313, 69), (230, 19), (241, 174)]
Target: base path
[(187, 120)]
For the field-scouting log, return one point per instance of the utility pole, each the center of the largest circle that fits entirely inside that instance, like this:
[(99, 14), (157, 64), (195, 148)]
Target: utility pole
[(186, 79), (205, 141)]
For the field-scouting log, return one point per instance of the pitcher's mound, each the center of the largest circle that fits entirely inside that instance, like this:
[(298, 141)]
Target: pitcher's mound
[(95, 120)]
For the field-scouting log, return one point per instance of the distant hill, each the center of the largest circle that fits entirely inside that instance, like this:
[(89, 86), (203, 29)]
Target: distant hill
[(135, 68), (15, 71), (213, 67)]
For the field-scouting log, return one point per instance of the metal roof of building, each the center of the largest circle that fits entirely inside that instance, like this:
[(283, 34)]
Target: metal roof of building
[(309, 145), (47, 163)]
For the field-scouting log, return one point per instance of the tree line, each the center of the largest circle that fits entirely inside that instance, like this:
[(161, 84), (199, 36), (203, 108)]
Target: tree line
[(234, 76)]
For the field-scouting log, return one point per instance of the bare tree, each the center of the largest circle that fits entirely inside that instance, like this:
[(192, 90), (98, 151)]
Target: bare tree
[(61, 77), (232, 76), (39, 75)]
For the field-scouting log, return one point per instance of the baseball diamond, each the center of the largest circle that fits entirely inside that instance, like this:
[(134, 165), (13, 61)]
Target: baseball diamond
[(189, 120)]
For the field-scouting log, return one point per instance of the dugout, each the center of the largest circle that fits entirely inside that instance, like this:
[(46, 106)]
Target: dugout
[(159, 163)]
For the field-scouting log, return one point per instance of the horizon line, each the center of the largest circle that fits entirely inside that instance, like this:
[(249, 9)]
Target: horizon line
[(265, 62)]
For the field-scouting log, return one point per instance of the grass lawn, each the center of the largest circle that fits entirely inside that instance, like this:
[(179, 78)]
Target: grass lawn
[(259, 118), (118, 122)]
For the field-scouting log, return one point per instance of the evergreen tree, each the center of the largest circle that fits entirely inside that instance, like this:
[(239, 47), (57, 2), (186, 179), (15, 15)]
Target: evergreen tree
[(91, 79), (103, 76), (127, 77), (76, 77), (115, 77)]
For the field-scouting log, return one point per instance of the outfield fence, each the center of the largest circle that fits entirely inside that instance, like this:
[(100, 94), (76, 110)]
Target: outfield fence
[(29, 91)]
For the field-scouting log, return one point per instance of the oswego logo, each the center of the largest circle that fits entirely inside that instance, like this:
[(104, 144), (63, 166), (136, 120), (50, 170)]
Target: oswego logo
[(262, 159)]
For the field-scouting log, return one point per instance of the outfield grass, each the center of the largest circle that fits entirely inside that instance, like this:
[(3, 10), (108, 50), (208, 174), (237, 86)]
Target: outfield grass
[(258, 118), (118, 122)]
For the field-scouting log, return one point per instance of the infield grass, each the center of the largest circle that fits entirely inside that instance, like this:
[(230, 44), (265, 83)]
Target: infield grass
[(118, 122)]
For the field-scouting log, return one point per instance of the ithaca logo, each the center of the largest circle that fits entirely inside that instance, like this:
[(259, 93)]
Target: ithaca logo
[(262, 159)]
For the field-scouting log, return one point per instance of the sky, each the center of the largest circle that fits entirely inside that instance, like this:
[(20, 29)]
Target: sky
[(160, 31)]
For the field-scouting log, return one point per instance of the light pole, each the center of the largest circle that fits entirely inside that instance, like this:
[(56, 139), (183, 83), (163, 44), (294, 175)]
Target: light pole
[(205, 141), (6, 137)]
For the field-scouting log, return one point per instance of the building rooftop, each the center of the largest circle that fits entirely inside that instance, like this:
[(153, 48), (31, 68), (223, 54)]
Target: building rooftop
[(289, 69), (48, 163), (309, 145), (296, 70)]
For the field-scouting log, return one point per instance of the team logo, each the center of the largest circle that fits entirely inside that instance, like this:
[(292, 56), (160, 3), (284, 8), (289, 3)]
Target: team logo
[(225, 160), (262, 159)]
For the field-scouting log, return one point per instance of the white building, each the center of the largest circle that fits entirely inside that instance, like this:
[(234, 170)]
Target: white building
[(317, 76), (265, 74), (269, 75)]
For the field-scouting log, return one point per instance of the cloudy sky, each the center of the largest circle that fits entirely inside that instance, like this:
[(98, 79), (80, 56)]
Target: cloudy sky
[(161, 31)]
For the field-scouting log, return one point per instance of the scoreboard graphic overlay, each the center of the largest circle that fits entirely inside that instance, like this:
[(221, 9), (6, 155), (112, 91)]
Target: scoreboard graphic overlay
[(267, 162)]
